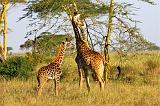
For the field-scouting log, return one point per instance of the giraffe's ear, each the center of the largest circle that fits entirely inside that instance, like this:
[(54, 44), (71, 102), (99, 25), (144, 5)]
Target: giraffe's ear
[(67, 39)]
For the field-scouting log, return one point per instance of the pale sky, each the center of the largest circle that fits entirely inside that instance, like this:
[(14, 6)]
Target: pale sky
[(148, 14)]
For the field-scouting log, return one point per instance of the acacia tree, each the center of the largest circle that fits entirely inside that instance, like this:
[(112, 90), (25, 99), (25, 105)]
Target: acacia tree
[(49, 13), (107, 41), (3, 17), (45, 43), (5, 4), (137, 42), (55, 14)]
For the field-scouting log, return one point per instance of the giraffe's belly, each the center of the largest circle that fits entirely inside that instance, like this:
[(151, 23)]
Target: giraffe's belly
[(51, 77), (54, 75)]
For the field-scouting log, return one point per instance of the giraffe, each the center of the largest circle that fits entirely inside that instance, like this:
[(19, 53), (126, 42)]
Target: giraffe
[(86, 58), (52, 71)]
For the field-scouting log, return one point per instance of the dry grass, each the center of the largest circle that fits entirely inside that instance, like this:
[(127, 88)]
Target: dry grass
[(21, 93), (143, 88)]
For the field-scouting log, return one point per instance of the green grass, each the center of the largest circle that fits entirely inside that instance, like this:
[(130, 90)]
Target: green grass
[(138, 85)]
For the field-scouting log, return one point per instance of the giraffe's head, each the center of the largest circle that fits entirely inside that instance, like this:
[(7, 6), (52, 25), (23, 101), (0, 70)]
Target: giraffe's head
[(65, 43), (61, 50), (77, 19)]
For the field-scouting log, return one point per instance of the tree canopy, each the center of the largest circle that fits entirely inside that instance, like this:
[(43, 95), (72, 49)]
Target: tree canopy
[(17, 1), (45, 8), (46, 42), (126, 35)]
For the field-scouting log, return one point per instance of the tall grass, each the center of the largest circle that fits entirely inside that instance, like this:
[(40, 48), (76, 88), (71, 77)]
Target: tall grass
[(138, 85), (21, 93)]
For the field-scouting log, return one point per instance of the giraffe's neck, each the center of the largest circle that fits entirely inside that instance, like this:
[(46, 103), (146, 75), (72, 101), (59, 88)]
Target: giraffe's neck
[(76, 32), (83, 33), (60, 54), (80, 44)]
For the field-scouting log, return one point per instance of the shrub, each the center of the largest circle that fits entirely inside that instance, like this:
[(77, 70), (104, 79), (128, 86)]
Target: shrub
[(16, 66)]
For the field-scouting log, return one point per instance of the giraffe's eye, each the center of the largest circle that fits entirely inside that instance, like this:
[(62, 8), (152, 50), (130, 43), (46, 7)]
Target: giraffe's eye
[(63, 42)]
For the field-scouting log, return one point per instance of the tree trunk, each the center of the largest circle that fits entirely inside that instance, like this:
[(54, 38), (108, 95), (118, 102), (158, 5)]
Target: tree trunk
[(107, 41), (1, 47), (3, 27)]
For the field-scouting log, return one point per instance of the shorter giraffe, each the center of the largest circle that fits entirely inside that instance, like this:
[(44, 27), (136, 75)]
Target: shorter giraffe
[(52, 71)]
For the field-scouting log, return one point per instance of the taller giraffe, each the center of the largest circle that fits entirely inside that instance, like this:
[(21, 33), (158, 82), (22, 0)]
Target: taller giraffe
[(86, 58), (52, 71)]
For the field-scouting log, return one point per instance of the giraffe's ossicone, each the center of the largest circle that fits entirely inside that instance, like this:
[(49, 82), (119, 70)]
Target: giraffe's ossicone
[(53, 70)]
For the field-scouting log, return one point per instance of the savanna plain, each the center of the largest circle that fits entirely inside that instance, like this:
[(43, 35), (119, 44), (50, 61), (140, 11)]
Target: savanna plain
[(137, 85)]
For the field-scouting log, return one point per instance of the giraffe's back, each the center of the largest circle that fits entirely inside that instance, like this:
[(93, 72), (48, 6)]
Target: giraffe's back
[(90, 57), (91, 60), (51, 71)]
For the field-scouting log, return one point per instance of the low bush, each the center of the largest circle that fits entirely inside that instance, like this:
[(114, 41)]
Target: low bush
[(16, 67)]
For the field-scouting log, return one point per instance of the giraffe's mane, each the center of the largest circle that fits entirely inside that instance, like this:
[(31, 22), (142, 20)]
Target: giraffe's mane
[(58, 51), (86, 43), (78, 24)]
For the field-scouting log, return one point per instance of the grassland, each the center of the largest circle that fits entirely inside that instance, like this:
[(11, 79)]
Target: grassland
[(138, 85)]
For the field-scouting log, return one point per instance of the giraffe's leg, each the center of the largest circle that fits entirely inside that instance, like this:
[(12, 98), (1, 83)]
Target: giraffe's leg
[(81, 78), (101, 82), (57, 86), (41, 82), (80, 72), (99, 73), (87, 79)]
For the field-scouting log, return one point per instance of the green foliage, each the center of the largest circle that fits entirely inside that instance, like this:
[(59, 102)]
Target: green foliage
[(46, 43), (16, 67), (35, 58), (27, 44), (89, 9), (17, 1), (45, 8), (49, 43)]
